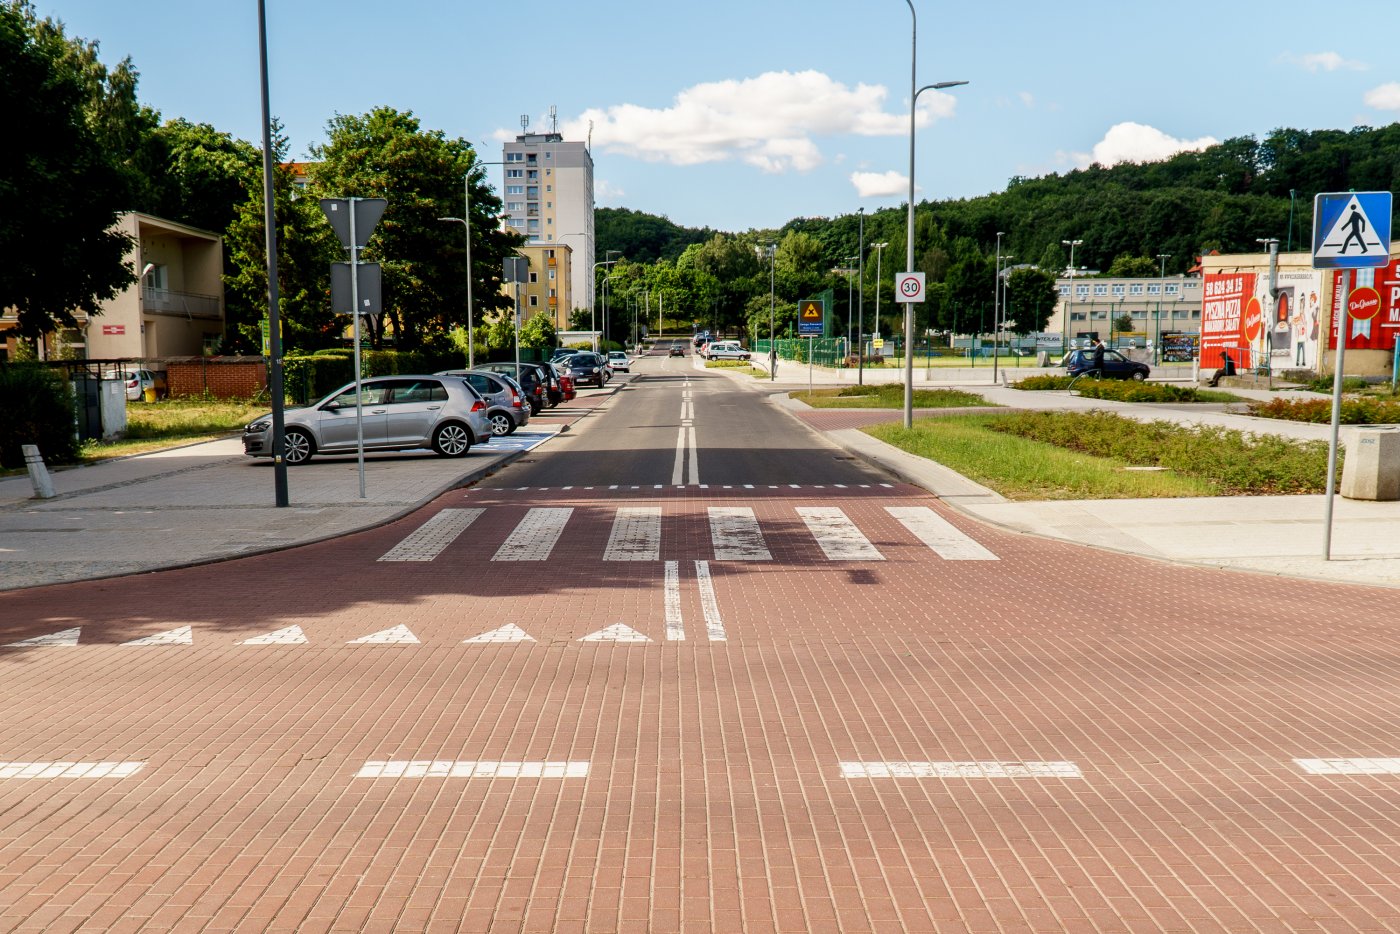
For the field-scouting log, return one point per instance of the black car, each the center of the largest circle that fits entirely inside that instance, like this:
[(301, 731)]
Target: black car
[(1115, 365), (677, 349), (587, 368)]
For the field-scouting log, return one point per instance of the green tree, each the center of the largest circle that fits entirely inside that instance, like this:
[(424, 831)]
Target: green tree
[(386, 154), (1030, 299), (208, 174), (60, 188), (538, 333), (1132, 267), (1123, 323)]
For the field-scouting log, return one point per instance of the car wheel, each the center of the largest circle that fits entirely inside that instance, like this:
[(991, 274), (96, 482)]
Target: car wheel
[(1139, 376), (452, 440), (297, 446), (502, 424)]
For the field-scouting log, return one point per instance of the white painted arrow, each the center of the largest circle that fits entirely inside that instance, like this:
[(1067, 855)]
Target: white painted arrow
[(397, 635), (179, 636), (291, 635), (507, 633), (63, 637), (617, 632)]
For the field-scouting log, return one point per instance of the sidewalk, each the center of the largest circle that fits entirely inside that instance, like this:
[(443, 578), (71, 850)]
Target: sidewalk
[(1280, 535), (206, 502)]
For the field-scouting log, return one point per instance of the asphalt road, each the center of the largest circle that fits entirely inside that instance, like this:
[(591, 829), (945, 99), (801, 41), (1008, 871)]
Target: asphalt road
[(775, 692)]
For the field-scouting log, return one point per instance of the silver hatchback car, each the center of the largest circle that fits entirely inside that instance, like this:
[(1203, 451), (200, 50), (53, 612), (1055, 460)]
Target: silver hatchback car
[(399, 413)]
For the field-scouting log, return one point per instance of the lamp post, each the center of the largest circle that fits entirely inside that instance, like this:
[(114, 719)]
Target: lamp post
[(592, 310), (770, 250), (274, 322), (850, 295), (860, 327), (1161, 285), (914, 93), (466, 221), (860, 269), (1069, 306)]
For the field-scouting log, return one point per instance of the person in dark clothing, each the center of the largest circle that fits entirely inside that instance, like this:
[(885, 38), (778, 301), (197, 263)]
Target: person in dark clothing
[(1098, 359)]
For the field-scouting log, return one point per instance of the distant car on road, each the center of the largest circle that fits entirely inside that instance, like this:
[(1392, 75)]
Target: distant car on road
[(1115, 365), (587, 367), (725, 350), (677, 349), (618, 360), (398, 413)]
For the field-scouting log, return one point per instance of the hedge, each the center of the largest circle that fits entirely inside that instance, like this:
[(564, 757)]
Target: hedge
[(309, 377), (36, 407)]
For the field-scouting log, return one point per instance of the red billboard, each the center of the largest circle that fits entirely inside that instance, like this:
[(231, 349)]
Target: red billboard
[(1231, 317), (1373, 311)]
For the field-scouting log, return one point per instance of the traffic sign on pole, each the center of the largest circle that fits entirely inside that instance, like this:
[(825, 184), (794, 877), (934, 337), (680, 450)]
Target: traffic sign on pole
[(368, 211), (811, 317), (1351, 230), (909, 287)]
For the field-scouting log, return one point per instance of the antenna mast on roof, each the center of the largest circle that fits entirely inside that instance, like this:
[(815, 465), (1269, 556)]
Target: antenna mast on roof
[(524, 123), (589, 147), (553, 119)]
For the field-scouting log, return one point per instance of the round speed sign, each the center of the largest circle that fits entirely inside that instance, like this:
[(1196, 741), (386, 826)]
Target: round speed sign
[(909, 287)]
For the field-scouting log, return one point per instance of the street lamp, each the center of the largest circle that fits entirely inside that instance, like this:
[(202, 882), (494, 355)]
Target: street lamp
[(860, 327), (860, 272), (909, 233), (466, 221), (996, 305), (770, 250), (1069, 306), (1161, 285), (1001, 303), (850, 295), (274, 322), (592, 311)]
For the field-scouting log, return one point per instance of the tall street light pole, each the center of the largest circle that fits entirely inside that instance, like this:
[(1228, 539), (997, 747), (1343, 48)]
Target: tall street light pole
[(592, 311), (996, 305), (771, 252), (466, 221), (274, 322), (1161, 284), (1069, 306), (860, 328), (914, 92), (860, 269), (850, 296)]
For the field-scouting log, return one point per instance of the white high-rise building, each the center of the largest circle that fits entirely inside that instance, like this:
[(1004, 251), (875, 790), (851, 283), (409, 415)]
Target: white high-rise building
[(548, 194)]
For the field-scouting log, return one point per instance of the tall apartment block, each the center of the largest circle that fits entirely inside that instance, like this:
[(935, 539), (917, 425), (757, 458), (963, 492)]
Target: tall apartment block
[(548, 189)]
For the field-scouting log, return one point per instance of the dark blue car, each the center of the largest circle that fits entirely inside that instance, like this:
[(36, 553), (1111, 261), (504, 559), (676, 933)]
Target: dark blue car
[(1115, 365)]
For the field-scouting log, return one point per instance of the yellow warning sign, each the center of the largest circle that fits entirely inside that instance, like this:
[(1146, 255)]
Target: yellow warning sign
[(811, 311)]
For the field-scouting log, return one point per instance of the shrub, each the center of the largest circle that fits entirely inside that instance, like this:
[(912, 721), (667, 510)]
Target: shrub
[(36, 407), (1349, 384), (1128, 391), (1356, 410), (1042, 382)]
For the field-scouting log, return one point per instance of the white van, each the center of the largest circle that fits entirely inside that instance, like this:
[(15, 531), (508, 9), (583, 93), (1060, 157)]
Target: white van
[(725, 350)]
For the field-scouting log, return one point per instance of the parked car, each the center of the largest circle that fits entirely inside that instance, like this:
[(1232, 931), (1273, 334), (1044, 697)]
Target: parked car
[(586, 367), (506, 407), (1115, 365), (618, 360), (725, 350), (677, 349), (397, 412), (566, 382), (530, 378), (138, 381)]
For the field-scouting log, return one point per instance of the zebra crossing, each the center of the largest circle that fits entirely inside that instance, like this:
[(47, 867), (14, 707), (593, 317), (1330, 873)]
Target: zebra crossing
[(735, 533)]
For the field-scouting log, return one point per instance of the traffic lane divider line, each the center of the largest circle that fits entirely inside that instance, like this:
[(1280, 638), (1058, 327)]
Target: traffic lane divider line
[(69, 769), (434, 768), (955, 769)]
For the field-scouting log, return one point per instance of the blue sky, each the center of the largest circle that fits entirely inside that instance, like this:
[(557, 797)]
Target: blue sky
[(746, 114)]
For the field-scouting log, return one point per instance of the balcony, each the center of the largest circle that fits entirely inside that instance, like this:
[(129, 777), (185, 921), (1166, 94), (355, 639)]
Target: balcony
[(180, 304)]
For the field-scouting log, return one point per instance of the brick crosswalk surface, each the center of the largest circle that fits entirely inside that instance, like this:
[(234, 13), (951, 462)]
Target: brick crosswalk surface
[(1057, 739)]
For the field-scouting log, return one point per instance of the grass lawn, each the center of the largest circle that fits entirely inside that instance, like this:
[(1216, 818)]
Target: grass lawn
[(1070, 455), (887, 396), (151, 426)]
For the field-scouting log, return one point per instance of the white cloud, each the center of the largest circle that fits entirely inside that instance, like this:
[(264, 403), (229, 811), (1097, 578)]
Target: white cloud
[(1384, 97), (1027, 98), (1136, 142), (880, 184), (604, 190), (1323, 61), (769, 121)]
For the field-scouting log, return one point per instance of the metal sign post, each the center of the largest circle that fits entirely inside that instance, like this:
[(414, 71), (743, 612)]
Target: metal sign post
[(908, 291), (1341, 221), (353, 219)]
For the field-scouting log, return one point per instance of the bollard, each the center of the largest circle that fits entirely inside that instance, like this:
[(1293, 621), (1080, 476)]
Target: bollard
[(38, 473)]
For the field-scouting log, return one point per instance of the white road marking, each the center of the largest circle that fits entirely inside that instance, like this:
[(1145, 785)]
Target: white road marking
[(534, 538), (960, 770), (636, 534), (507, 633), (837, 535), (69, 769), (398, 635), (182, 635), (735, 534), (429, 768), (678, 471), (693, 474), (291, 635), (714, 626), (1349, 766), (62, 637), (675, 628), (617, 632), (939, 534)]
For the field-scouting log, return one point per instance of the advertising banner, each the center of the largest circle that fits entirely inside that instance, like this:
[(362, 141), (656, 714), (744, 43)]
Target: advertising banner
[(1290, 339), (1178, 347), (1374, 310), (1231, 319)]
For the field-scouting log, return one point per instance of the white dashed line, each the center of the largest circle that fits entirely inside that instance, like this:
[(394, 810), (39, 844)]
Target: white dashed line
[(430, 539), (429, 768), (675, 628), (1349, 766), (837, 535), (960, 770), (534, 538), (69, 769), (939, 534), (714, 626)]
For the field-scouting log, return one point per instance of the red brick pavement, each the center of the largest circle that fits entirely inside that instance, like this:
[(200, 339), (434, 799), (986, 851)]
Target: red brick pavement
[(714, 800)]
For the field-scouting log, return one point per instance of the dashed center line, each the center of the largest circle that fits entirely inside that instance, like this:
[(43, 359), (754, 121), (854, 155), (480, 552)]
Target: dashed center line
[(709, 604), (434, 768), (675, 629), (907, 769)]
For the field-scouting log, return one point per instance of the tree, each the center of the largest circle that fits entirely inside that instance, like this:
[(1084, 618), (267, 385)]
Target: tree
[(1123, 323), (1132, 267), (538, 332), (60, 189), (207, 175), (386, 154), (1030, 299)]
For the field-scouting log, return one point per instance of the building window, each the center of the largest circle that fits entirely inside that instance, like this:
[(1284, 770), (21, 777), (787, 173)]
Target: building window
[(515, 205), (1154, 290), (1077, 316), (549, 254), (155, 279), (549, 222), (517, 222), (547, 172), (533, 192), (1100, 290), (533, 175), (530, 159), (534, 224), (534, 301), (551, 274), (1081, 290), (1196, 313), (1064, 290), (534, 277), (515, 157), (549, 155), (1118, 290), (515, 173), (1171, 290), (515, 189), (549, 204), (1135, 289)]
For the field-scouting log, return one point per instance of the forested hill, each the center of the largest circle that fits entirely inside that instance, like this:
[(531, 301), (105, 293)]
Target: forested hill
[(1225, 198)]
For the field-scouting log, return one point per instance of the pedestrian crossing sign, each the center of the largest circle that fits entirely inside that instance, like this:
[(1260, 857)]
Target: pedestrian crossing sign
[(1351, 230)]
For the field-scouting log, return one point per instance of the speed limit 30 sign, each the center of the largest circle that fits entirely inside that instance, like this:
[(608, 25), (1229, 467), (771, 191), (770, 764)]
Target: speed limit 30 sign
[(909, 287)]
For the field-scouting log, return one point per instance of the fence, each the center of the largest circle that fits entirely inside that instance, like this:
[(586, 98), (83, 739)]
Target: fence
[(826, 351)]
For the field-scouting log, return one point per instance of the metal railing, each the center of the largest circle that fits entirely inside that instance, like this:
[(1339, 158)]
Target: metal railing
[(171, 302)]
